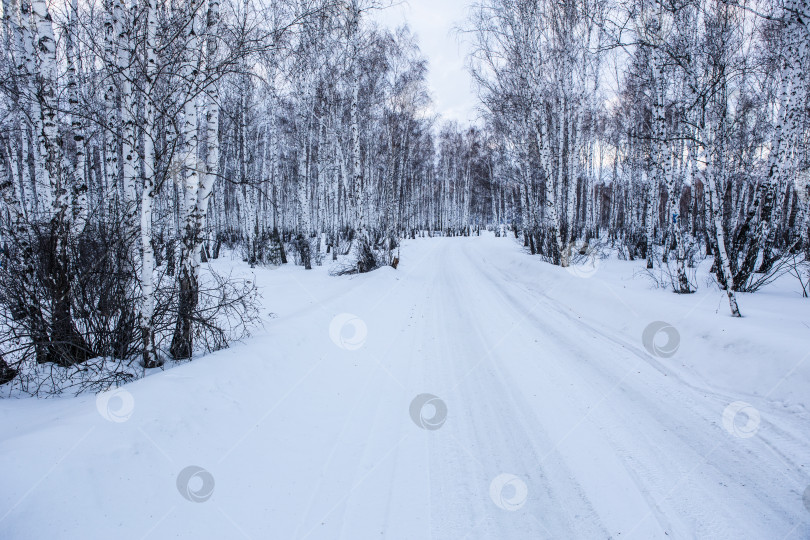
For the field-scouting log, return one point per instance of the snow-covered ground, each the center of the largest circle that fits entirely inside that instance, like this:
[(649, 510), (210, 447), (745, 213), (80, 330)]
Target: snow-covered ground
[(475, 392)]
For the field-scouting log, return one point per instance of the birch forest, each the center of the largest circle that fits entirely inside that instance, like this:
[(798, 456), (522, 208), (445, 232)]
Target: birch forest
[(142, 139)]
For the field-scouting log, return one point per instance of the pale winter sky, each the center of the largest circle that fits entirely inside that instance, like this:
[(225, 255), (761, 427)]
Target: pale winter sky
[(434, 22)]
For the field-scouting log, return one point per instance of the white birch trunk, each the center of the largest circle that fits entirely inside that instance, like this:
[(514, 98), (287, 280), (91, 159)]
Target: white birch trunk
[(720, 239), (357, 171), (49, 156), (80, 206), (211, 130), (147, 307), (124, 59), (113, 113)]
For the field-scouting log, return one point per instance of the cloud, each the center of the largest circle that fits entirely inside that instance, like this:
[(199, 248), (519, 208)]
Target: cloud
[(434, 22)]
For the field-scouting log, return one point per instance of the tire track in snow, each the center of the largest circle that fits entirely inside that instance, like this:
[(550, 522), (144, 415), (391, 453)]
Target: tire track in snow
[(367, 427), (532, 370), (492, 416), (730, 460)]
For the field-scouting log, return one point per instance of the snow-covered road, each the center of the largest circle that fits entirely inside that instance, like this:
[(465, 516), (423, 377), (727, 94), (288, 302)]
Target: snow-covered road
[(460, 396)]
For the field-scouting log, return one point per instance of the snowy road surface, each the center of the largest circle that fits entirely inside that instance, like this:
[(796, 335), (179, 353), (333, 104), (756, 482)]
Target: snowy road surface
[(559, 422)]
